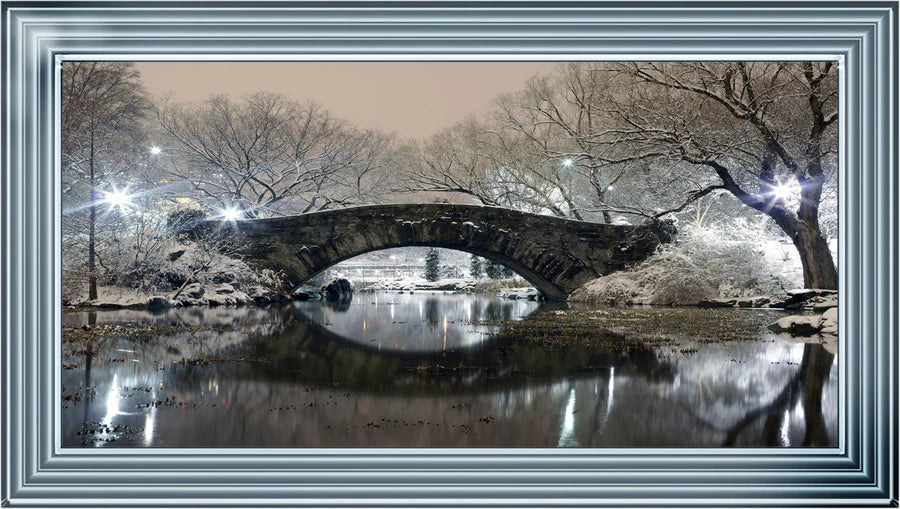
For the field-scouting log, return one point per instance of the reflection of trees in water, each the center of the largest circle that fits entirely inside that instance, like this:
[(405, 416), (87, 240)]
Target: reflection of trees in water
[(808, 382), (771, 419), (88, 358), (615, 399), (587, 429), (499, 311), (491, 311), (432, 311), (620, 409), (199, 337), (310, 353), (479, 313), (818, 366)]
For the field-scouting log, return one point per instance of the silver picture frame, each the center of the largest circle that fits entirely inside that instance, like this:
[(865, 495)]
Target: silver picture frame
[(38, 472)]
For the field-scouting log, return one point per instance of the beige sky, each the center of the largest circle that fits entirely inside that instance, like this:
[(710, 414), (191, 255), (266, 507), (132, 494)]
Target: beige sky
[(414, 99)]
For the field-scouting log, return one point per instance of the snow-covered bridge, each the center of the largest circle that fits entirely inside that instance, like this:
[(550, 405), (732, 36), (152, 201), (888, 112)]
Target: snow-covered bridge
[(556, 255)]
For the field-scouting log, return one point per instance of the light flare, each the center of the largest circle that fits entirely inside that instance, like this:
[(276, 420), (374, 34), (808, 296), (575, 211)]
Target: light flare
[(231, 214), (784, 191), (118, 198)]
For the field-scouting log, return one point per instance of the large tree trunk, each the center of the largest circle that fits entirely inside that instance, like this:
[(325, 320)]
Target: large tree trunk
[(819, 270), (92, 252), (92, 257)]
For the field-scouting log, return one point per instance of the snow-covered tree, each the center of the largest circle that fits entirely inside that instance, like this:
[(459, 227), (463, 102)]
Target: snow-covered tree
[(103, 108), (476, 268), (648, 139), (432, 265), (765, 132), (493, 269)]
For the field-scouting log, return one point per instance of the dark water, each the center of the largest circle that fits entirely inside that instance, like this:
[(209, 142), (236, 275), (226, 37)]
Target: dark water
[(423, 370)]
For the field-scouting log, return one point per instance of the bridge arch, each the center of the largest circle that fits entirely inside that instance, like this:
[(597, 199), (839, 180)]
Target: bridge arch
[(556, 255)]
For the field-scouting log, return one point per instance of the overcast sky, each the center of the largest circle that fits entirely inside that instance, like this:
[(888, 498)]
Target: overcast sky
[(413, 99)]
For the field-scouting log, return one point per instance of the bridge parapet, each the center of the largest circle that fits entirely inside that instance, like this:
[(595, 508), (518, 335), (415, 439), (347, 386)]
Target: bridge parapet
[(556, 255)]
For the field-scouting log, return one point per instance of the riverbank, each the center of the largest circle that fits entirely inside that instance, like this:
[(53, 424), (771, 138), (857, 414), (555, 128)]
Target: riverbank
[(237, 294), (195, 294), (461, 285), (623, 289), (816, 309)]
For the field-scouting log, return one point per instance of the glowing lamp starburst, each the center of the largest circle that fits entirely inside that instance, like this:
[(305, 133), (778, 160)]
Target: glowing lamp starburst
[(568, 162), (232, 214), (155, 150), (783, 191), (117, 198)]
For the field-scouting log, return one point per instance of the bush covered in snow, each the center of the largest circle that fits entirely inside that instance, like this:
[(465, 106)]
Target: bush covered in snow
[(159, 259), (703, 263)]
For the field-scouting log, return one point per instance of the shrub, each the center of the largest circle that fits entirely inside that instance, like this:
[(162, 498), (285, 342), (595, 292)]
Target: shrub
[(703, 262)]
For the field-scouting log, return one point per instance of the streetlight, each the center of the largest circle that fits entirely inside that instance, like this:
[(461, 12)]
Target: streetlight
[(117, 198), (782, 191), (567, 162), (232, 214), (155, 150)]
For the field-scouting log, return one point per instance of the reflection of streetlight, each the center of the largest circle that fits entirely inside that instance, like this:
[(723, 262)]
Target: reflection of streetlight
[(610, 187), (155, 150)]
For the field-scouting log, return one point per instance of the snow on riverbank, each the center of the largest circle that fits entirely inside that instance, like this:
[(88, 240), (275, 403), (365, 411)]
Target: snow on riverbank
[(464, 285), (211, 293)]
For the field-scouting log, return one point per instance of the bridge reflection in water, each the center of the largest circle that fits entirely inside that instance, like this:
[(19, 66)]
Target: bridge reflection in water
[(322, 382)]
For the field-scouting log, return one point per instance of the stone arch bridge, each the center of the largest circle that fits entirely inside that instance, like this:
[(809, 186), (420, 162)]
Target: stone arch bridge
[(555, 255)]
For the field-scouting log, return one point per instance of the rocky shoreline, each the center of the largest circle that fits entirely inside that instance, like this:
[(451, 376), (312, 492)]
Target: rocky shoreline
[(195, 294), (339, 289), (214, 295), (819, 307), (800, 299)]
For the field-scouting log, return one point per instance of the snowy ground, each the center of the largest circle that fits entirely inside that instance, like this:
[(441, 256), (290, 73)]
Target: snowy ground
[(112, 296), (414, 283)]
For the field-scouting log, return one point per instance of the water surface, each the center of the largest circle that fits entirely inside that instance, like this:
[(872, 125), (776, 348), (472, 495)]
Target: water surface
[(403, 370)]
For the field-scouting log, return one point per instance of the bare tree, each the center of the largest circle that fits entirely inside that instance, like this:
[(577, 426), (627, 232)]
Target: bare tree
[(663, 135), (103, 106), (556, 122), (479, 159), (451, 161), (540, 149), (366, 177), (764, 132), (268, 153)]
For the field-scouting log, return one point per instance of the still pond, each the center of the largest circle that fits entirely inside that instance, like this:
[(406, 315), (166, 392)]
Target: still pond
[(442, 370)]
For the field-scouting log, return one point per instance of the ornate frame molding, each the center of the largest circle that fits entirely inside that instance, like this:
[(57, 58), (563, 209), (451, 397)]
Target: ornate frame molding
[(37, 472)]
